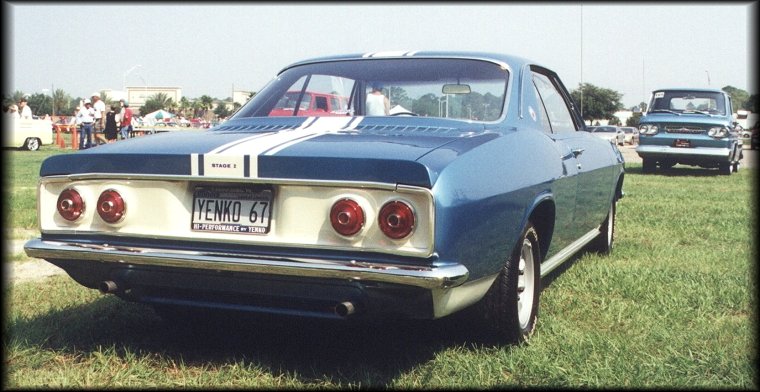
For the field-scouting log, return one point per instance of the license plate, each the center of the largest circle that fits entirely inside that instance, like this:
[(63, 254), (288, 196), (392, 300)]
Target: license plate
[(682, 143), (232, 210)]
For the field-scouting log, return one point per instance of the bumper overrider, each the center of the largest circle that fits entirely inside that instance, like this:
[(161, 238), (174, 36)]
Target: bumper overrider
[(131, 272)]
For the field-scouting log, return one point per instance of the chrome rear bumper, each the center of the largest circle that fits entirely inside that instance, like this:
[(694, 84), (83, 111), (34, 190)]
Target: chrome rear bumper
[(428, 277)]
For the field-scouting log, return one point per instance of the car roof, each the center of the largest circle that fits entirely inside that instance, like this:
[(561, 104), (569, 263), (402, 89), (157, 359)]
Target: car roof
[(702, 89), (513, 62)]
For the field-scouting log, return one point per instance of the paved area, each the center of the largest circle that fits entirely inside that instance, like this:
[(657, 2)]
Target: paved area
[(28, 269)]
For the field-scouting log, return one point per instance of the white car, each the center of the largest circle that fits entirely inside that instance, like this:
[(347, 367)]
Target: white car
[(27, 134), (631, 135), (615, 135)]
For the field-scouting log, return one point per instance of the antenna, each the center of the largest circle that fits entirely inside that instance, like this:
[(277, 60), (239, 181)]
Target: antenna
[(582, 63)]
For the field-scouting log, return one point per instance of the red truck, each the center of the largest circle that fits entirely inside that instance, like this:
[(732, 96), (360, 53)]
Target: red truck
[(311, 104)]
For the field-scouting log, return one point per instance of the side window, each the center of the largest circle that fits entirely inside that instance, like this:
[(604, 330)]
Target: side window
[(542, 112), (311, 93), (556, 108)]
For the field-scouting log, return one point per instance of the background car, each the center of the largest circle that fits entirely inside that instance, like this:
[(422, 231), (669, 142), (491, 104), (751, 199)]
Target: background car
[(631, 135), (417, 214), (612, 134), (27, 134), (690, 126)]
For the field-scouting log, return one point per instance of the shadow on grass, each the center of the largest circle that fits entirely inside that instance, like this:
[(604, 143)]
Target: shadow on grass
[(340, 352)]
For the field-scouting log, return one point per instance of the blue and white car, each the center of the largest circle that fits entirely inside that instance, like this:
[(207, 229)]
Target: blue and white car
[(691, 127), (479, 184)]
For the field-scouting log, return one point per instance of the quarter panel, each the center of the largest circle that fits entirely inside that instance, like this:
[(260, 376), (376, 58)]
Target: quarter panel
[(483, 198)]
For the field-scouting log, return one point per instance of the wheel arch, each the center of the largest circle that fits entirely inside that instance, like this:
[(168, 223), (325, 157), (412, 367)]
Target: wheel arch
[(543, 216), (619, 187)]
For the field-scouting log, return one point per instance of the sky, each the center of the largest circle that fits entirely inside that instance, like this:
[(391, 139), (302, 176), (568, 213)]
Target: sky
[(213, 49)]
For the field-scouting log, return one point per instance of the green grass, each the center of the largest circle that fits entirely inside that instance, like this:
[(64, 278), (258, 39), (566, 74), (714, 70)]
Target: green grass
[(672, 306), (22, 170)]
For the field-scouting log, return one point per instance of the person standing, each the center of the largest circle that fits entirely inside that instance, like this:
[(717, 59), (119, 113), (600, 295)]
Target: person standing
[(110, 130), (24, 110), (126, 119), (87, 116), (100, 113), (377, 103)]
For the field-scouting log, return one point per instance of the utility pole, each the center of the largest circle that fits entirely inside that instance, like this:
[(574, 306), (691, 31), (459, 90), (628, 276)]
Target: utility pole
[(584, 121)]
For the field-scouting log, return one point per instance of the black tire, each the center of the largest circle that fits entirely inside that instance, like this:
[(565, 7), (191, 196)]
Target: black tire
[(504, 310), (604, 243), (649, 165), (32, 144), (666, 165)]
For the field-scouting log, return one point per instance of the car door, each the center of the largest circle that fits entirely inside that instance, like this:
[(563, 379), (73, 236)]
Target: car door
[(565, 188), (591, 155)]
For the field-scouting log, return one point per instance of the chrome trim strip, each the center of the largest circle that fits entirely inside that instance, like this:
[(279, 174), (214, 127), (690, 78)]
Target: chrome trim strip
[(704, 151), (565, 254), (428, 277), (260, 180)]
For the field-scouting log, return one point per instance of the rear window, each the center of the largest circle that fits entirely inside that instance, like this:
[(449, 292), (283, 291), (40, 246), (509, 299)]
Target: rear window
[(448, 88)]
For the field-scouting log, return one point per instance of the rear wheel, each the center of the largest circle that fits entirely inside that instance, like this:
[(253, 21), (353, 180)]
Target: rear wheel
[(510, 308), (32, 144)]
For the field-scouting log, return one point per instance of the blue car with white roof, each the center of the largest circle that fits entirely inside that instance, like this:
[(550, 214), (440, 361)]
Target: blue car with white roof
[(472, 184), (692, 127)]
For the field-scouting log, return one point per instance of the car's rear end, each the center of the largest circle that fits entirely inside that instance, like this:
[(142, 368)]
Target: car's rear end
[(338, 224)]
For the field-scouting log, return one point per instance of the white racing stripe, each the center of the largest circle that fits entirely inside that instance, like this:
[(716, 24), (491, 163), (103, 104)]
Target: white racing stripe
[(396, 53), (240, 158)]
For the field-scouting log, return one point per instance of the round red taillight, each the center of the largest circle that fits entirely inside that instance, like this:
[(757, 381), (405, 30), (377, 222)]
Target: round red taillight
[(70, 205), (111, 206), (396, 219), (347, 217)]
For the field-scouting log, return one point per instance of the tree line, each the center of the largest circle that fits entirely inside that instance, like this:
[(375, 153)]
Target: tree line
[(63, 104)]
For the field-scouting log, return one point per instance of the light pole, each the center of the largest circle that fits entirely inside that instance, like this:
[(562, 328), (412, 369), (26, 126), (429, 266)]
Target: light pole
[(44, 93), (124, 80), (708, 77), (145, 95)]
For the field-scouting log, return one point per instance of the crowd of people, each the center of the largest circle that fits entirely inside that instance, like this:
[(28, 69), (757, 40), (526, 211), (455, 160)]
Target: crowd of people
[(97, 124), (100, 126), (22, 110)]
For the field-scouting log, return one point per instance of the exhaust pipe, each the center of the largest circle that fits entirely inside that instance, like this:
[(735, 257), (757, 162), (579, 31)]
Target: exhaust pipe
[(345, 309), (108, 287)]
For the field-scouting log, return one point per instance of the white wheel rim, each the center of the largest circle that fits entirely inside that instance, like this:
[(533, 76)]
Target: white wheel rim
[(610, 225), (525, 283)]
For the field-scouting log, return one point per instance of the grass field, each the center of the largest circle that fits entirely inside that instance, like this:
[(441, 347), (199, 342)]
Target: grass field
[(674, 305)]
